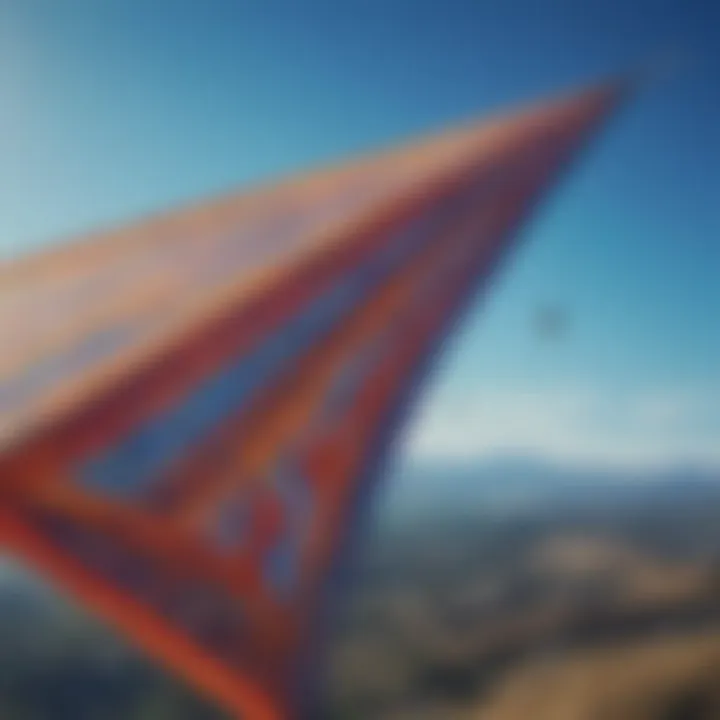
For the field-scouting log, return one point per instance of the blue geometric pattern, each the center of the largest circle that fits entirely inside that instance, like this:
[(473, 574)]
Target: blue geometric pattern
[(129, 468)]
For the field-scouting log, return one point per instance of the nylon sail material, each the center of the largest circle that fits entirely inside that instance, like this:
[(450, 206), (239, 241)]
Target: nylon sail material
[(194, 411)]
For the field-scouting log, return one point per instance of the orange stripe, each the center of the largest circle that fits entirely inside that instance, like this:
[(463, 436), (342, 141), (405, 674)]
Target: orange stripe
[(143, 533), (287, 405), (74, 396), (238, 693)]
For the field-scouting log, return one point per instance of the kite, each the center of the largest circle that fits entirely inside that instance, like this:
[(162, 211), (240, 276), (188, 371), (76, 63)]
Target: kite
[(196, 411)]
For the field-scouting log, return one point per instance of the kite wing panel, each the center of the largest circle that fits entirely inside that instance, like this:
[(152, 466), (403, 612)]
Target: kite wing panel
[(204, 496)]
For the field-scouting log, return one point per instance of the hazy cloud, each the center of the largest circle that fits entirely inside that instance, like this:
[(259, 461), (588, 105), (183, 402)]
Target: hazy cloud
[(571, 424)]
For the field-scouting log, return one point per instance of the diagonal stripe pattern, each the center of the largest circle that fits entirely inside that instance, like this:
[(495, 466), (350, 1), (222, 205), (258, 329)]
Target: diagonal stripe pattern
[(194, 411)]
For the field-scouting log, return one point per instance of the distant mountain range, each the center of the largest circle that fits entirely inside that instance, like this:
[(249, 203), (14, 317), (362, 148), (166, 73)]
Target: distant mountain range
[(521, 484)]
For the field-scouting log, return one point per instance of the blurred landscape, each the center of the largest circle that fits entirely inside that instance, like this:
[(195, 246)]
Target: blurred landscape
[(506, 591), (525, 591)]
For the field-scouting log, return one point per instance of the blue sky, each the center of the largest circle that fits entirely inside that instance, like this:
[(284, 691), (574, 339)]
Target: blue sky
[(113, 109)]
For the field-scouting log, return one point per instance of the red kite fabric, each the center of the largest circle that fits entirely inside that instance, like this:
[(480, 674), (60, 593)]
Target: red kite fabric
[(195, 411)]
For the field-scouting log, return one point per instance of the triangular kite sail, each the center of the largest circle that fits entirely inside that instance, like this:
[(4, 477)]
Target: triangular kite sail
[(194, 411)]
